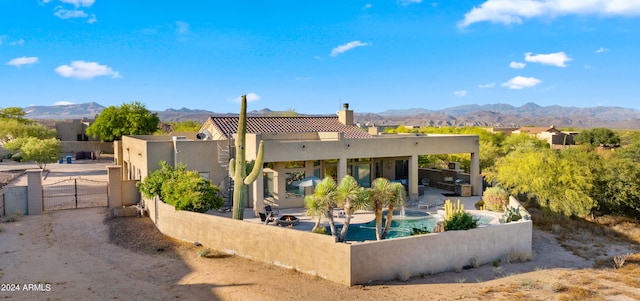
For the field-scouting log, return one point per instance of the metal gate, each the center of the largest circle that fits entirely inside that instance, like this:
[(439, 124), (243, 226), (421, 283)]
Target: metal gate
[(74, 193)]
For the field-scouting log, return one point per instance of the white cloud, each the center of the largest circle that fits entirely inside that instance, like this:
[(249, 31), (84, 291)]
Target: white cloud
[(408, 2), (487, 86), (78, 3), (17, 43), (86, 70), (601, 50), (92, 19), (182, 28), (557, 59), (251, 97), (346, 47), (461, 93), (62, 103), (588, 66), (520, 82), (517, 65), (70, 14), (367, 6), (514, 11), (21, 61)]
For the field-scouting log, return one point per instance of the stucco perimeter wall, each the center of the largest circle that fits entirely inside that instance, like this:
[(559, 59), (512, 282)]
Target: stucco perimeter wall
[(436, 252), (307, 252)]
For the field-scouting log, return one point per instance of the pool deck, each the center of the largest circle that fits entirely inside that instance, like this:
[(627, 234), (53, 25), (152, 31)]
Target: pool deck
[(431, 201)]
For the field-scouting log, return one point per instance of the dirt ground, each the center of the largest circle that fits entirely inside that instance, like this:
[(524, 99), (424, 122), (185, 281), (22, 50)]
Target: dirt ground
[(84, 254)]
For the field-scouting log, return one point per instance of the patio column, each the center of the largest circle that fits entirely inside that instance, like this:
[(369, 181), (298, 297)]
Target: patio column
[(413, 177), (342, 168), (474, 174)]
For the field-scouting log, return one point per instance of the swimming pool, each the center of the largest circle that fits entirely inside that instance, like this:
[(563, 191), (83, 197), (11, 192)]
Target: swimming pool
[(402, 225)]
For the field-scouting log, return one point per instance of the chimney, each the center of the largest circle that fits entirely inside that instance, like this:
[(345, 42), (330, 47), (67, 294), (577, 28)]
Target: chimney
[(345, 116)]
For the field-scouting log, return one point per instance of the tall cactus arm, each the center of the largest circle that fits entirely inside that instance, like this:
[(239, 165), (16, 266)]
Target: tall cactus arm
[(257, 167), (232, 167)]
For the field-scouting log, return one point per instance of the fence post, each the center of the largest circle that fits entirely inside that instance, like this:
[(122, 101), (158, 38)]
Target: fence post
[(114, 189), (35, 202), (75, 191)]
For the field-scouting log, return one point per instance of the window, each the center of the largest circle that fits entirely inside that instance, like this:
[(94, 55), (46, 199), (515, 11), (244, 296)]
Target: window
[(294, 191), (268, 184)]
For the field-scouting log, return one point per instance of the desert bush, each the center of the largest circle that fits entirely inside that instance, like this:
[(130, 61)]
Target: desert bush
[(517, 256), (461, 221), (404, 276), (495, 198), (473, 261), (320, 230), (16, 216)]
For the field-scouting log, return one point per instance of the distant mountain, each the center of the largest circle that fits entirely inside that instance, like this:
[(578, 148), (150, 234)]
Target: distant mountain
[(61, 112), (467, 115)]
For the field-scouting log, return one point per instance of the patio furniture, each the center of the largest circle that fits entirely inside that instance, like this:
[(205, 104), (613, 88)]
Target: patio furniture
[(272, 204)]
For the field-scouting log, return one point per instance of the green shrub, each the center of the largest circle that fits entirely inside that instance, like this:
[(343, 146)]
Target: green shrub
[(419, 231), (461, 221), (189, 191), (185, 190), (495, 198)]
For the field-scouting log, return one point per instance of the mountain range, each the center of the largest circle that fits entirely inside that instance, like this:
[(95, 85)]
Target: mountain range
[(496, 115)]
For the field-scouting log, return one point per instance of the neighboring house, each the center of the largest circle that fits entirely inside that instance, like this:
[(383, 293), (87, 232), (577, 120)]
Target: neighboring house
[(295, 148), (553, 136), (72, 134)]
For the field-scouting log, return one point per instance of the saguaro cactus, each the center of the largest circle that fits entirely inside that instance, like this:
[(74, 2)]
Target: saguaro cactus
[(238, 165)]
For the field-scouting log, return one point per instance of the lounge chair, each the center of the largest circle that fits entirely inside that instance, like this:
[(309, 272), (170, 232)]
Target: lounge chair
[(428, 201), (266, 217)]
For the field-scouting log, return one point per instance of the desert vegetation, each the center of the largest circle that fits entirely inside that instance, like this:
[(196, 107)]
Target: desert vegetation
[(184, 189)]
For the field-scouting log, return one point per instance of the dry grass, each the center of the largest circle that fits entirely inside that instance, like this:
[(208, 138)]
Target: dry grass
[(579, 294)]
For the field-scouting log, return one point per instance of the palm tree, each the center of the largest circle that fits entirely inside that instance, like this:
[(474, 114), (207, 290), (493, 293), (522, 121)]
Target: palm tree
[(384, 193), (322, 202), (398, 195), (313, 209), (351, 197)]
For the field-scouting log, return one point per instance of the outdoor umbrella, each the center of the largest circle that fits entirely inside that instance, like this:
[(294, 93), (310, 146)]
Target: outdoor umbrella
[(308, 182)]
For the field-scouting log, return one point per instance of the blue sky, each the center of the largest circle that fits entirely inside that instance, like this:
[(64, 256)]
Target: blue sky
[(312, 56)]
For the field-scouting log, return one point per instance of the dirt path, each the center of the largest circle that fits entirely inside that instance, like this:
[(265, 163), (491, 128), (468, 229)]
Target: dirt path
[(83, 254)]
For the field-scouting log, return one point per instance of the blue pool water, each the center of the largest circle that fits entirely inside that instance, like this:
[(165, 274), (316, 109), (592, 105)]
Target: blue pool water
[(401, 226)]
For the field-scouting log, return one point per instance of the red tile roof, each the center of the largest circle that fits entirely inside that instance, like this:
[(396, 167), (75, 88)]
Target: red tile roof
[(229, 125)]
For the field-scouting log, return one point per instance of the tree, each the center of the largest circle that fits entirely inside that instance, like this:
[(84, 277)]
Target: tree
[(522, 140), (126, 119), (351, 197), (385, 194), (322, 202), (11, 129), (41, 151), (559, 181), (598, 136), (619, 187), (14, 113)]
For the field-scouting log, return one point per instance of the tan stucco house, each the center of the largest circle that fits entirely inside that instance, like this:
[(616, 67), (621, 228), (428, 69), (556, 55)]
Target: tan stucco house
[(551, 135), (294, 148)]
